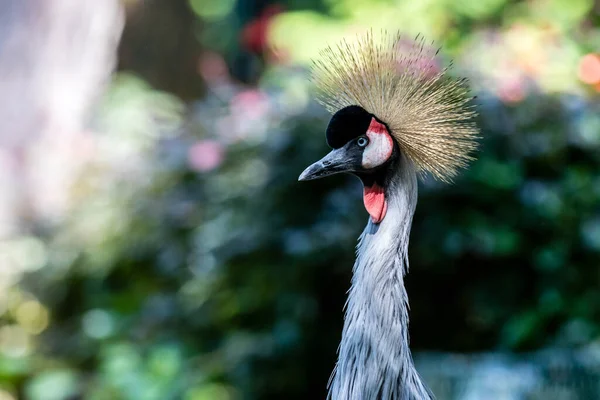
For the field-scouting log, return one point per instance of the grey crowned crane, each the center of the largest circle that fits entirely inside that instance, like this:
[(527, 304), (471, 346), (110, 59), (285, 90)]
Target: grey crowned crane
[(395, 115)]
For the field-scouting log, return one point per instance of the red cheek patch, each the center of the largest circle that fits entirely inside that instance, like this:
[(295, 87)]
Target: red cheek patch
[(375, 202)]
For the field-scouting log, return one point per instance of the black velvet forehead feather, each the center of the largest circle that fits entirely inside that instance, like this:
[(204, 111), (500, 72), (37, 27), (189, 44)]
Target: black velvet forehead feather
[(346, 124)]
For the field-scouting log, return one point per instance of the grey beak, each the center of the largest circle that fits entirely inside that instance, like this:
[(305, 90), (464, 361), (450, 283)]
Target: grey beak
[(333, 163)]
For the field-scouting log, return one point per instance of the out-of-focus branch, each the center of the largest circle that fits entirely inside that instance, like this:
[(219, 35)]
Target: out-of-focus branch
[(160, 44), (55, 58)]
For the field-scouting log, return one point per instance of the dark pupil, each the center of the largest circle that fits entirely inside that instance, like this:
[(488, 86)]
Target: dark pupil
[(362, 141)]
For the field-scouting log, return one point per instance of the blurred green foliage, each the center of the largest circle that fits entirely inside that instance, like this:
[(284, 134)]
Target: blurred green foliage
[(192, 265)]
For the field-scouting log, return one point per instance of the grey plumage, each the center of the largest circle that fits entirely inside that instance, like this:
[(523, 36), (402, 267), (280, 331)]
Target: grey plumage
[(374, 358), (381, 95)]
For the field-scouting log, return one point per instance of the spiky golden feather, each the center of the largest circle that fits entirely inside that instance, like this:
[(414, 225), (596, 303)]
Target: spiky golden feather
[(428, 112)]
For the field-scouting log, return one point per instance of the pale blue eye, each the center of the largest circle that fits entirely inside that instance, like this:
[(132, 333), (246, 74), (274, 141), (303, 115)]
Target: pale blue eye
[(362, 141)]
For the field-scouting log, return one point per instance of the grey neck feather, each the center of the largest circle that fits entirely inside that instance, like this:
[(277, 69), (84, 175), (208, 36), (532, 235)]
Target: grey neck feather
[(374, 361)]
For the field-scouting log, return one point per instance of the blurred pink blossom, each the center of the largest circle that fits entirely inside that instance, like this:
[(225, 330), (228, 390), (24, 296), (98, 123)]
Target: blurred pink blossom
[(589, 69), (247, 117), (205, 155), (512, 89), (425, 62), (251, 103), (213, 68)]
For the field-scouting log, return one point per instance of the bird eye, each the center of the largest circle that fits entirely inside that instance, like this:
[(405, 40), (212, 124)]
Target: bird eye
[(362, 141)]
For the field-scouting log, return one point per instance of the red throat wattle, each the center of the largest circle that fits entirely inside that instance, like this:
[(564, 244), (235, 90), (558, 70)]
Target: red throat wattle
[(375, 202)]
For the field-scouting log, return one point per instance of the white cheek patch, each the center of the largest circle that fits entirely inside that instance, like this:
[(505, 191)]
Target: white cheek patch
[(380, 145)]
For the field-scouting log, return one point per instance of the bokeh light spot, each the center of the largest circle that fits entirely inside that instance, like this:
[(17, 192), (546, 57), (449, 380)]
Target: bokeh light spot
[(589, 69), (590, 231), (512, 90), (32, 316), (30, 253), (14, 341), (4, 395), (98, 324), (208, 392), (212, 9), (205, 155), (212, 67), (53, 385)]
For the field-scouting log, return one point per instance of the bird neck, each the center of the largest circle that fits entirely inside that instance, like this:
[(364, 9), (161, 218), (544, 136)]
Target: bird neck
[(374, 357)]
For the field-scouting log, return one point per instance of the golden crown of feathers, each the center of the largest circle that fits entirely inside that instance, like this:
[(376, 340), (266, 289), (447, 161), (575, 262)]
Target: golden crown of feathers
[(428, 112)]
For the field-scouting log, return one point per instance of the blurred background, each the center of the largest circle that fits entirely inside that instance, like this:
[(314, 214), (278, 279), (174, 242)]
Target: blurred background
[(155, 244)]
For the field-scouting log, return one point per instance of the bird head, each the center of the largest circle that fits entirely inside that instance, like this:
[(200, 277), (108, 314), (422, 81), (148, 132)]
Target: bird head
[(388, 101), (361, 145)]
